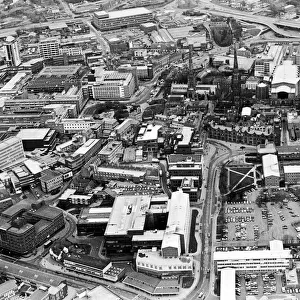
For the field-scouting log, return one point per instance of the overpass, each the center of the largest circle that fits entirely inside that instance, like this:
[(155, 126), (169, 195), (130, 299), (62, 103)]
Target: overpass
[(266, 21)]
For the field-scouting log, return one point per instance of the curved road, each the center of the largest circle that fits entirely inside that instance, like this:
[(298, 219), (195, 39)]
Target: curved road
[(209, 209)]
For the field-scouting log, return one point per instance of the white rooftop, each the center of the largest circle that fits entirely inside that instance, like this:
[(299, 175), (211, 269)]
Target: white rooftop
[(255, 254), (125, 12), (148, 133), (246, 111), (33, 166), (291, 169), (178, 207), (128, 213), (227, 291), (33, 133), (286, 73), (187, 133), (86, 147), (270, 165), (154, 258), (15, 80), (135, 173)]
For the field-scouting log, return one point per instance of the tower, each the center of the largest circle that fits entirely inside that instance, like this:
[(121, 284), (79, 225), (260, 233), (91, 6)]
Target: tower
[(236, 82), (49, 48), (191, 78), (12, 52)]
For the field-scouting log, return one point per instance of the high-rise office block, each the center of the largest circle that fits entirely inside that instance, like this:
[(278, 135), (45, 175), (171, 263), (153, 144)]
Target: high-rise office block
[(12, 52), (11, 150), (49, 48)]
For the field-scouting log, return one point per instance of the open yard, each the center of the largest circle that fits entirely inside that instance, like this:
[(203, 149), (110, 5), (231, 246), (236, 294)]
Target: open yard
[(247, 224)]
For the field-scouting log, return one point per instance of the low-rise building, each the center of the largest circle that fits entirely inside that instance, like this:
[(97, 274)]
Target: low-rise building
[(292, 174), (148, 138), (76, 160), (111, 152), (274, 259), (152, 262), (107, 173), (51, 180), (271, 170)]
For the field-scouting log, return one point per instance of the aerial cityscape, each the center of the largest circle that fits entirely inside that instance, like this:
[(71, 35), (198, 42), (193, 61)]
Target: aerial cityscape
[(150, 150)]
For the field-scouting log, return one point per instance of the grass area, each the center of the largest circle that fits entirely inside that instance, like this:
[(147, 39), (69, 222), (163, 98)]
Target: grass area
[(234, 178), (193, 243), (187, 282)]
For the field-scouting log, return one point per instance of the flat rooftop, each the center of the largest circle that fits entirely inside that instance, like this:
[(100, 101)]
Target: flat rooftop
[(291, 169), (128, 213), (187, 133), (255, 254), (124, 13), (270, 165), (148, 133), (134, 173), (86, 147), (33, 133), (179, 206), (12, 84), (227, 284)]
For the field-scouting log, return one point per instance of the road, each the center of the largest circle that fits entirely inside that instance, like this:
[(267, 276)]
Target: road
[(270, 22)]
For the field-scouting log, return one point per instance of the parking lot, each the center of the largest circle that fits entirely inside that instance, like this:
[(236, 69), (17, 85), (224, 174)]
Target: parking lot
[(246, 224), (258, 284)]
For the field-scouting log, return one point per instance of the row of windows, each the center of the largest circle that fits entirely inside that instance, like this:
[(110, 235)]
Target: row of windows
[(160, 267)]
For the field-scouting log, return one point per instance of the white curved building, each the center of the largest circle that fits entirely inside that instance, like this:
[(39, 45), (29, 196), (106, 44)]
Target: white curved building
[(286, 81)]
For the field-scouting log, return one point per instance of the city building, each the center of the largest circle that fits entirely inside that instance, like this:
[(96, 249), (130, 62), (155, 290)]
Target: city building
[(94, 293), (185, 171), (274, 259), (11, 152), (111, 85), (59, 292), (178, 224), (291, 174), (8, 289), (152, 262), (184, 140), (78, 125), (49, 47), (241, 134), (121, 18), (271, 170), (15, 85), (266, 63), (55, 79), (12, 52), (107, 173), (151, 285), (126, 130), (91, 266), (25, 226), (127, 218), (33, 138), (227, 291), (111, 152), (93, 220), (148, 138), (286, 81), (51, 181), (77, 159)]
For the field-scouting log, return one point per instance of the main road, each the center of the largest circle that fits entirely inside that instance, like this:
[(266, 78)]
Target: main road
[(206, 280), (270, 22)]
